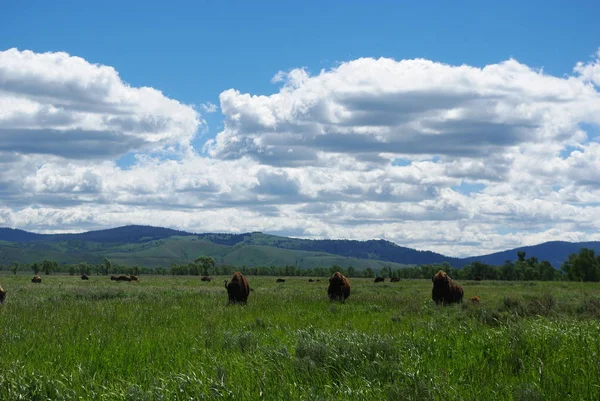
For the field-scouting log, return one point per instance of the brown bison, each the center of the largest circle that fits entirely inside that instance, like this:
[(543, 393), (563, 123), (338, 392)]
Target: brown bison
[(395, 279), (379, 279), (310, 280), (123, 277), (36, 279), (206, 278), (2, 295), (134, 278), (444, 290), (85, 277), (280, 280), (114, 278), (238, 289), (478, 278), (339, 287), (475, 299)]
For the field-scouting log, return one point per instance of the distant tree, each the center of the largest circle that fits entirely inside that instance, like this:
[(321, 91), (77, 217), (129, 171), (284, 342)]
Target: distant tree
[(48, 267), (368, 273), (36, 268), (107, 266), (521, 256), (205, 263), (582, 266), (351, 271)]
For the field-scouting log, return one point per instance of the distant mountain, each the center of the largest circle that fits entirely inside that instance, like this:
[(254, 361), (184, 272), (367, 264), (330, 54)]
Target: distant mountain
[(157, 246), (16, 235), (123, 234), (555, 252)]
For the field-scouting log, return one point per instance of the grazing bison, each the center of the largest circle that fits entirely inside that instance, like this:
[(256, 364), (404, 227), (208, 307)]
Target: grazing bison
[(339, 287), (206, 278), (2, 295), (123, 277), (36, 279), (444, 290), (478, 278), (238, 289), (114, 278), (475, 299), (133, 278), (379, 279), (310, 280), (280, 280), (85, 277), (395, 279)]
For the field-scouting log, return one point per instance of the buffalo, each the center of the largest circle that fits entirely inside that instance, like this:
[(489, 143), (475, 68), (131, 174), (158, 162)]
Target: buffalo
[(2, 295), (475, 299), (238, 289), (445, 291), (280, 280), (310, 280), (379, 279), (85, 277), (133, 278), (478, 278), (395, 279), (339, 287), (114, 278), (206, 278), (36, 279), (123, 277)]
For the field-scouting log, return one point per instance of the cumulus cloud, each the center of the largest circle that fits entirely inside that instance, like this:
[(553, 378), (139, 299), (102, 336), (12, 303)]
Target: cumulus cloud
[(57, 104), (367, 107), (456, 159), (589, 71)]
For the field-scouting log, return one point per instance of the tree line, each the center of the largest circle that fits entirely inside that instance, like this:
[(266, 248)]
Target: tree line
[(582, 266)]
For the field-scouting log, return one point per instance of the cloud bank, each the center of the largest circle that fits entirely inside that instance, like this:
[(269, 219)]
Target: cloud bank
[(457, 159)]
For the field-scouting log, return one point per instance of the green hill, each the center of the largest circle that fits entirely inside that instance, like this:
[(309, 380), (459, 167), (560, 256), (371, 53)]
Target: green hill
[(178, 250)]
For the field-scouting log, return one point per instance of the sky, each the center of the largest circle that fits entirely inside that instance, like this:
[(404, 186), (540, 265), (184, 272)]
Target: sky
[(462, 127)]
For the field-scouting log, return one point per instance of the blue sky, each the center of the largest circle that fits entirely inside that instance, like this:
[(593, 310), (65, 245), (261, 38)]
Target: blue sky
[(194, 52)]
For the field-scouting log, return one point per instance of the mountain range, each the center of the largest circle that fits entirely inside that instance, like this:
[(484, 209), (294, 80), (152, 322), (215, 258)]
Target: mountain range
[(157, 246)]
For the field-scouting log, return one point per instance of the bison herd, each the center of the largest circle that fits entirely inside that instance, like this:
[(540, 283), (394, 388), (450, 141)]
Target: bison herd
[(444, 291)]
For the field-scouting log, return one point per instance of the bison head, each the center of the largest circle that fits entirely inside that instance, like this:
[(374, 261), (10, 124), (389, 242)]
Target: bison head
[(441, 279), (2, 295)]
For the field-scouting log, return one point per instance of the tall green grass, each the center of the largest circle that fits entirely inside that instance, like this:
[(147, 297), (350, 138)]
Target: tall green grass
[(170, 338)]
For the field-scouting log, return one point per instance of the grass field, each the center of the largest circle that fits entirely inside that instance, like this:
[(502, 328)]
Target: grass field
[(174, 338)]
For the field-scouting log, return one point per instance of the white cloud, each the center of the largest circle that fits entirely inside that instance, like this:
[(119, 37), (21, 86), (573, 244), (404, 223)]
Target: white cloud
[(455, 159), (209, 107), (589, 71), (57, 104)]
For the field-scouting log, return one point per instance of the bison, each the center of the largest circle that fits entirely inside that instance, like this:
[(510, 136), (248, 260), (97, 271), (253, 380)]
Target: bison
[(133, 278), (310, 280), (280, 280), (339, 287), (379, 279), (114, 278), (36, 279), (444, 290), (85, 277), (395, 279), (123, 277), (475, 299), (206, 278), (478, 278), (2, 295), (238, 289)]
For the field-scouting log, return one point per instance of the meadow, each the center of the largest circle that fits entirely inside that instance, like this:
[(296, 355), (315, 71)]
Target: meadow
[(175, 338)]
